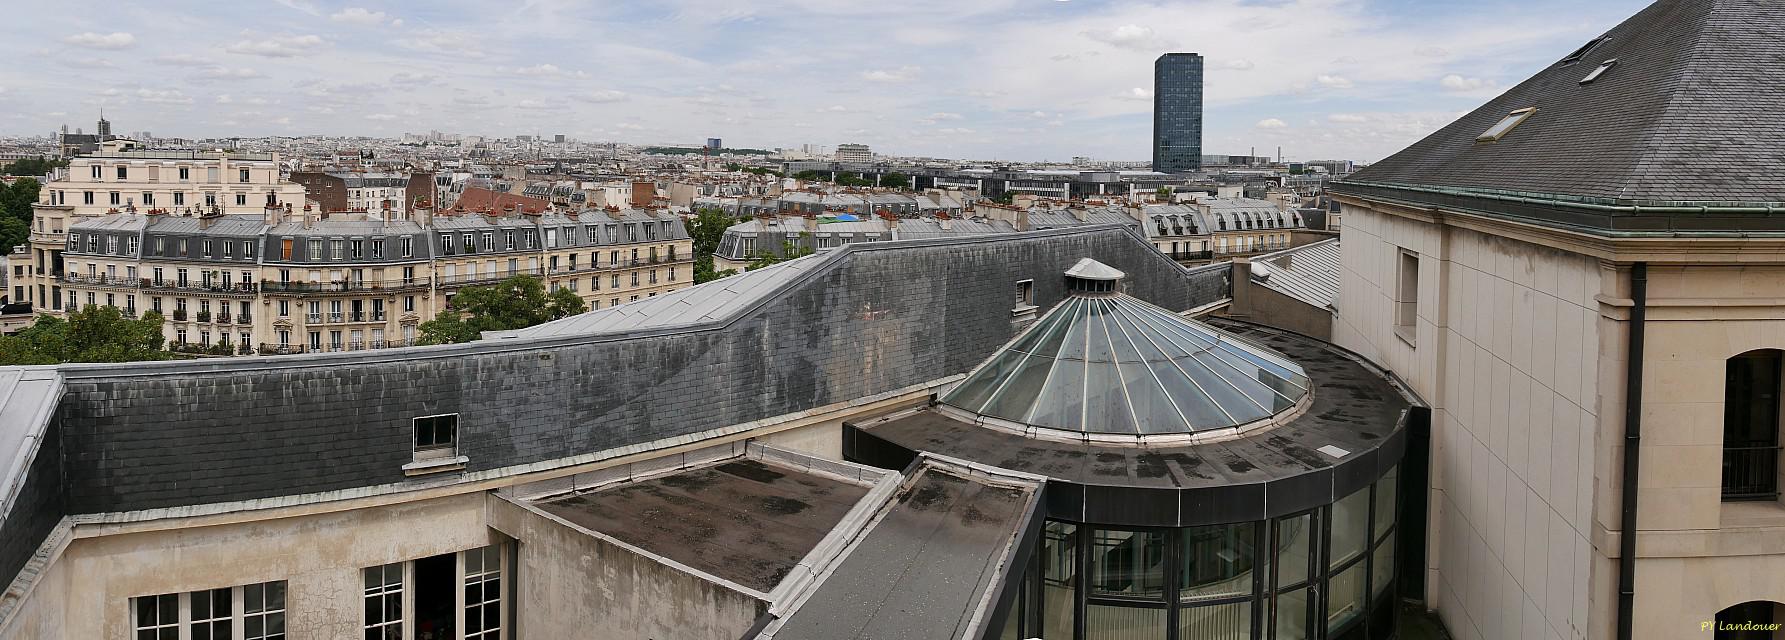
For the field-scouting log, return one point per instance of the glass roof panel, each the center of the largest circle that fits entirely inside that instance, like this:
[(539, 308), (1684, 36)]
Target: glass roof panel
[(1100, 362)]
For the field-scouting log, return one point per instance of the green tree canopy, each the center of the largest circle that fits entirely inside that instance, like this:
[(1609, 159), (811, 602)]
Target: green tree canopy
[(809, 176), (516, 303), (896, 180), (706, 228), (31, 166), (92, 334), (789, 251)]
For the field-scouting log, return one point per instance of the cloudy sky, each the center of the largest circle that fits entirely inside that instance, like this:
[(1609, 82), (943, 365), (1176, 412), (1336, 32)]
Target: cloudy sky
[(987, 79)]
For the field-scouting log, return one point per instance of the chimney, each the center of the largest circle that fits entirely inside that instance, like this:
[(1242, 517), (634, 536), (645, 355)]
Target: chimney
[(811, 222), (389, 211), (424, 212), (1079, 213)]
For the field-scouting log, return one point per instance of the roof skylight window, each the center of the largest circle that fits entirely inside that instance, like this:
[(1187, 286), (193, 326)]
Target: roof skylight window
[(1583, 50), (1599, 71), (1505, 125)]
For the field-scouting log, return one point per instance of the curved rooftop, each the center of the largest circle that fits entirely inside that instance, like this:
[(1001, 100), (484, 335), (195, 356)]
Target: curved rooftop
[(1103, 363)]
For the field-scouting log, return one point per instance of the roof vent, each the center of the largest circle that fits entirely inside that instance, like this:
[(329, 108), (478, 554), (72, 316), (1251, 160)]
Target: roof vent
[(1091, 276)]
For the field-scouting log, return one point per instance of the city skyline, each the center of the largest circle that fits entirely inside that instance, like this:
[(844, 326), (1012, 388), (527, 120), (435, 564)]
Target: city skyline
[(1004, 79)]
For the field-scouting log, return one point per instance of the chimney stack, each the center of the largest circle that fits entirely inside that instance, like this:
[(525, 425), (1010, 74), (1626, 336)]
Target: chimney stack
[(643, 193)]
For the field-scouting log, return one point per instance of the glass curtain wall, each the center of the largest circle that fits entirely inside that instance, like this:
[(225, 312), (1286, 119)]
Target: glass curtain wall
[(1318, 575)]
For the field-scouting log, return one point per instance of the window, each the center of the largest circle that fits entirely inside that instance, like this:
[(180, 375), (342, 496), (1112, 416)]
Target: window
[(483, 593), (1407, 296), (263, 605), (96, 172), (1751, 426), (116, 199), (211, 616), (185, 174), (243, 174), (1583, 50), (241, 199), (157, 617), (1505, 125), (436, 436), (87, 196), (1598, 71), (1025, 293), (123, 172), (384, 601)]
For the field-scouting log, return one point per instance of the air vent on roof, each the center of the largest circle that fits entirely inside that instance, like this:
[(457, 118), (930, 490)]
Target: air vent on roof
[(1499, 130), (1599, 71), (1582, 51)]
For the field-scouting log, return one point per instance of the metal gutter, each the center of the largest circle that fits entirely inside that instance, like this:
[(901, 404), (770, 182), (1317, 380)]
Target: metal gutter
[(1639, 294), (1605, 206)]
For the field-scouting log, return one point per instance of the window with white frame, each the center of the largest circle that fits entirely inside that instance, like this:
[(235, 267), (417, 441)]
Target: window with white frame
[(250, 612), (483, 593), (384, 601), (1407, 295)]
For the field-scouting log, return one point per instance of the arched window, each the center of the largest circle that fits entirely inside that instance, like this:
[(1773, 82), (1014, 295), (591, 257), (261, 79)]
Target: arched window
[(1751, 426)]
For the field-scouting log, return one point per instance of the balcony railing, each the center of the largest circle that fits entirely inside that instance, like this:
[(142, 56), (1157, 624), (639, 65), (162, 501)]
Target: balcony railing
[(97, 280), (244, 319), (1751, 473), (237, 288), (340, 286), (180, 315)]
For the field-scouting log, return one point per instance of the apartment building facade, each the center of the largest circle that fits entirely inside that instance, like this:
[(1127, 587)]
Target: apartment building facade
[(279, 284), (175, 181)]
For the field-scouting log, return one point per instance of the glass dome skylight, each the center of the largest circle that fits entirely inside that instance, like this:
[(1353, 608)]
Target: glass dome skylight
[(1102, 362)]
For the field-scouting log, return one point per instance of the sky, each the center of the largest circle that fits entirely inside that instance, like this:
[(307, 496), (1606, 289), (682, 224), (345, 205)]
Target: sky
[(1026, 80)]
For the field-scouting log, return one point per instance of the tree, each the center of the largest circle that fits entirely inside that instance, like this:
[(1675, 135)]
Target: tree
[(809, 176), (516, 303), (92, 334), (706, 229), (1162, 194), (12, 233), (733, 166), (789, 251), (896, 180), (31, 166)]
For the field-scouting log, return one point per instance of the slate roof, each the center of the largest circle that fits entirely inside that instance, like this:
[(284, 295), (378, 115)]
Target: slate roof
[(27, 397), (694, 305), (1687, 114), (1309, 273)]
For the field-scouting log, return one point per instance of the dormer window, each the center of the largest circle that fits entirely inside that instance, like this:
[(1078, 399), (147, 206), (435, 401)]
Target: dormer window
[(436, 445), (1505, 125)]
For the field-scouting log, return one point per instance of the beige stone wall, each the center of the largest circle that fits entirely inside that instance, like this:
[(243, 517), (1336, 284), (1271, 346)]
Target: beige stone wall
[(573, 584), (1506, 349), (319, 555)]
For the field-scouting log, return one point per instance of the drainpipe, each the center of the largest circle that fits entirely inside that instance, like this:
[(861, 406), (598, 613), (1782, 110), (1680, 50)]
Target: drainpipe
[(1639, 293)]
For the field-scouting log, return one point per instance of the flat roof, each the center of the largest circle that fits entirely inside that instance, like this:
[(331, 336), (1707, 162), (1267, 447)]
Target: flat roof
[(741, 519)]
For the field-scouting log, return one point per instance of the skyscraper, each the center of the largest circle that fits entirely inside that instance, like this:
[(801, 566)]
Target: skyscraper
[(1177, 112)]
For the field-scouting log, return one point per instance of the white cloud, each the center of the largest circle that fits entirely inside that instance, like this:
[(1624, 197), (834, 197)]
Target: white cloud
[(1430, 51), (629, 126), (228, 73), (359, 16), (1335, 82), (835, 108), (1347, 118), (1271, 123), (940, 115), (546, 69), (442, 41), (1131, 36), (183, 60), (601, 97), (1238, 64), (1137, 93), (404, 77), (955, 131), (276, 46), (381, 117), (300, 5), (87, 63), (1458, 83), (90, 40), (171, 96), (901, 74)]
